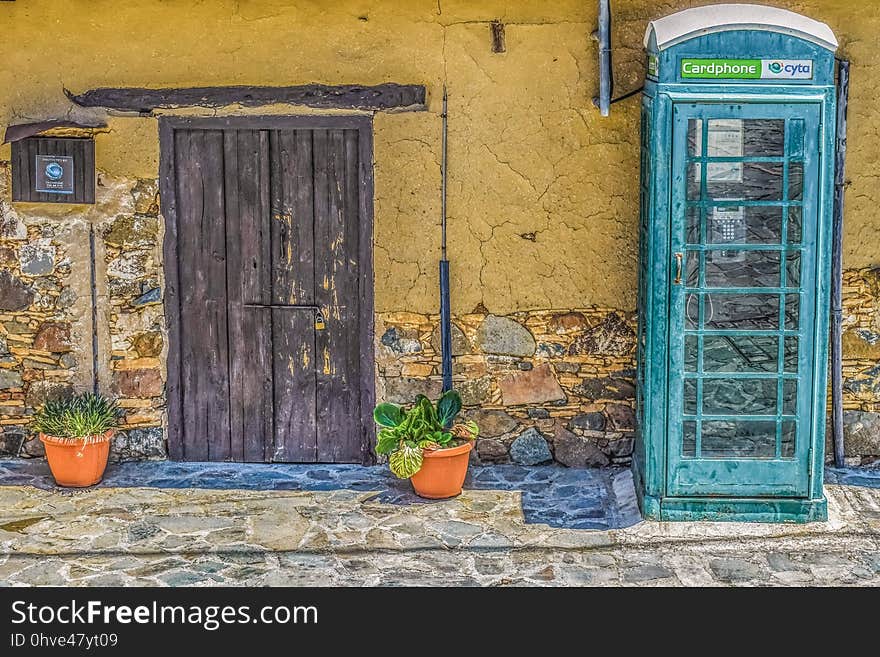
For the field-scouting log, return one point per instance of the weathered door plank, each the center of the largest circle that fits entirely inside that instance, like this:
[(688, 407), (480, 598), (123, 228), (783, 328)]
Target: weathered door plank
[(204, 339), (336, 274), (248, 270), (293, 283)]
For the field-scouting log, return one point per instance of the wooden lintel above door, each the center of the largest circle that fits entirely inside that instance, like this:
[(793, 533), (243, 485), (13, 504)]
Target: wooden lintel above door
[(386, 96)]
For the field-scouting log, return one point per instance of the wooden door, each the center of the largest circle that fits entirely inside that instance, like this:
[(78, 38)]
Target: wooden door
[(269, 289), (743, 299)]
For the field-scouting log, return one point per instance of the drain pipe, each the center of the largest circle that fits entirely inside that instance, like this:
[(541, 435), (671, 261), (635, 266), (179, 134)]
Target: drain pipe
[(603, 36), (445, 317), (837, 264)]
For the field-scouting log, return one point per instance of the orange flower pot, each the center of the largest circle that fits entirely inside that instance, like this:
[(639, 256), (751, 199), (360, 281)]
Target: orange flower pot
[(77, 462), (443, 472)]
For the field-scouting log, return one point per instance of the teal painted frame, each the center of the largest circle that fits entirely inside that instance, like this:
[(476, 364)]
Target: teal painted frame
[(659, 96)]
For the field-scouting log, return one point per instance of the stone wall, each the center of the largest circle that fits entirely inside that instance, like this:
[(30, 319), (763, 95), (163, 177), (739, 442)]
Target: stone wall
[(861, 364), (542, 206), (542, 385), (46, 318)]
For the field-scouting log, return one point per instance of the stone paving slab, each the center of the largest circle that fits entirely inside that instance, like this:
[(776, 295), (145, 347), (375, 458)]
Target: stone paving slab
[(371, 532)]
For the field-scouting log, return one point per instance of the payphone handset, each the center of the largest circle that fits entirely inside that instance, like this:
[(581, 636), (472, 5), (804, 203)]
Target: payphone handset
[(727, 225)]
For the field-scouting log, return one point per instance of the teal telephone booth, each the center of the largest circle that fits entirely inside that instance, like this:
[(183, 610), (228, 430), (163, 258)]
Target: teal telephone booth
[(737, 157)]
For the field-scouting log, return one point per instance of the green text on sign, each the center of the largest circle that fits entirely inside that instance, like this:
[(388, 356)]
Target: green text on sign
[(747, 69), (727, 69)]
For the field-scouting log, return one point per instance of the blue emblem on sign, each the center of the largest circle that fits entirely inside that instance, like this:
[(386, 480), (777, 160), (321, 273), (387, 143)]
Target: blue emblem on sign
[(54, 171)]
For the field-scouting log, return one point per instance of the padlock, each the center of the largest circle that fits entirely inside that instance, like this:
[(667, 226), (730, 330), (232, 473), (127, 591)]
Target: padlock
[(319, 321)]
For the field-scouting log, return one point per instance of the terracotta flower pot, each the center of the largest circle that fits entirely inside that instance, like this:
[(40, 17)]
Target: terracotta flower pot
[(77, 463), (443, 472)]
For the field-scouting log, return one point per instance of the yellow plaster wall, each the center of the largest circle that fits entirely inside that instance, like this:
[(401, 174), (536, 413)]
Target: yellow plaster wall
[(542, 191)]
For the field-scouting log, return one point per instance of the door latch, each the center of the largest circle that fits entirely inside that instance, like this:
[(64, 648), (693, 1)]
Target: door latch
[(320, 325), (678, 264)]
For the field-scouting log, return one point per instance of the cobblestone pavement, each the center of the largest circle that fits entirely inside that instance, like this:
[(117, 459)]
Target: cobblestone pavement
[(347, 525)]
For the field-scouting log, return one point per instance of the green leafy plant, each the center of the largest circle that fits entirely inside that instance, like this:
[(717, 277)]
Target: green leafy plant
[(405, 433), (78, 418)]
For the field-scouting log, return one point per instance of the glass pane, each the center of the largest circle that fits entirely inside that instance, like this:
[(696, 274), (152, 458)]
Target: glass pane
[(789, 396), (695, 137), (764, 137), (690, 397), (794, 224), (739, 353), (692, 268), (789, 433), (693, 225), (722, 439), (742, 268), (739, 396), (750, 181), (792, 311), (693, 182), (795, 181), (793, 269), (742, 311), (725, 138), (690, 353), (689, 439), (791, 354), (763, 224)]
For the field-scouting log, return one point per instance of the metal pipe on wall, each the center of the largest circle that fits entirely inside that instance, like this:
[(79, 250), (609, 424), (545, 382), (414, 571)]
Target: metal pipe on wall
[(837, 264), (445, 311), (606, 83)]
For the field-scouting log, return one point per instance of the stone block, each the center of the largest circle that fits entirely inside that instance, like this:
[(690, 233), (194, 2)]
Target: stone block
[(11, 227), (10, 379), (536, 386), (577, 452), (8, 256), (861, 433), (15, 294), (403, 390), (139, 382), (605, 388), (128, 231), (142, 443), (621, 447), (460, 344), (502, 335), (612, 337), (621, 417), (492, 423), (54, 337), (475, 392), (146, 197), (130, 265), (567, 323), (593, 421), (39, 392), (491, 450), (530, 448), (401, 341), (417, 369), (37, 258), (148, 344)]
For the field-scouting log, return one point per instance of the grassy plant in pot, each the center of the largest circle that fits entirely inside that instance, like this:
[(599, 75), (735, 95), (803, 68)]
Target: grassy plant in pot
[(76, 433), (425, 445)]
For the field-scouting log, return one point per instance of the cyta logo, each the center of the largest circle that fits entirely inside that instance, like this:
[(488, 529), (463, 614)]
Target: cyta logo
[(775, 67)]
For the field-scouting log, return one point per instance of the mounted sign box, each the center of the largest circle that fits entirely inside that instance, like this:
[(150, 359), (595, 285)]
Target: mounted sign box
[(53, 170)]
